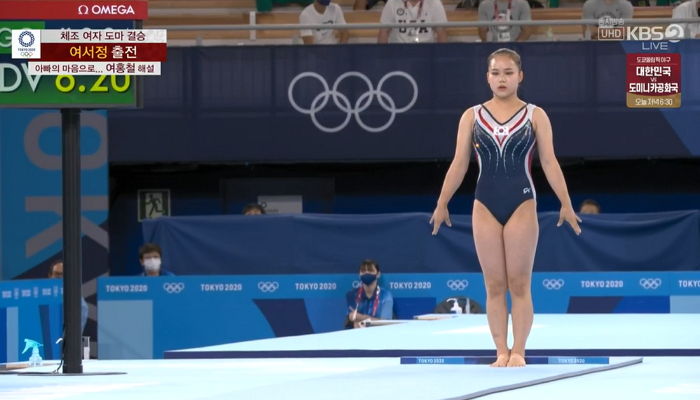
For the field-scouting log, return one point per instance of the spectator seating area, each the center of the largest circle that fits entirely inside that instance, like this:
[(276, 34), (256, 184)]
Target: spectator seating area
[(173, 13)]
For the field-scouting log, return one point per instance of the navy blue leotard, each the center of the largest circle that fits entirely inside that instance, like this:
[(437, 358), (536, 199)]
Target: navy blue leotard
[(504, 152)]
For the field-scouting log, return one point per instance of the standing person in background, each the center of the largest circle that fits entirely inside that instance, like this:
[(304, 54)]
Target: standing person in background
[(412, 11), (504, 132), (323, 12), (689, 9), (369, 301), (607, 12), (56, 272), (505, 10)]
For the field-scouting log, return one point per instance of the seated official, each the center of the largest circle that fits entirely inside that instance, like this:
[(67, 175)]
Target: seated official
[(369, 301), (253, 209), (150, 256), (56, 272), (589, 206)]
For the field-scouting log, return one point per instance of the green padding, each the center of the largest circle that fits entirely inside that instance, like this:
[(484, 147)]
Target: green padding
[(266, 5)]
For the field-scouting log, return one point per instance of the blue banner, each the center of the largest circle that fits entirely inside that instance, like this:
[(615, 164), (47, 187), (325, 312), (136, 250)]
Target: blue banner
[(143, 317), (31, 185), (329, 103), (323, 243)]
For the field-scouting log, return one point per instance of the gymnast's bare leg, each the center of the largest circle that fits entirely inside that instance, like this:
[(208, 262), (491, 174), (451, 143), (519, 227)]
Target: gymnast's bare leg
[(520, 240), (488, 239)]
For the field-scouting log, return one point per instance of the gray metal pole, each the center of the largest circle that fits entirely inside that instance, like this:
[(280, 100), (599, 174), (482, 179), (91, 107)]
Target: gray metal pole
[(72, 253)]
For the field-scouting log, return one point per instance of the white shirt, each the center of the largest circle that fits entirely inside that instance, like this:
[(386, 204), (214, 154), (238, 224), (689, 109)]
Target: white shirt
[(689, 9), (399, 11), (332, 16)]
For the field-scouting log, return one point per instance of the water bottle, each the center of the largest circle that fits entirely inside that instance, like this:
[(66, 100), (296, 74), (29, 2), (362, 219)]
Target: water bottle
[(35, 358)]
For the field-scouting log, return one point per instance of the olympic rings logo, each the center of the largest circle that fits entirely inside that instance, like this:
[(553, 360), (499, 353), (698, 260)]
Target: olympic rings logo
[(361, 104), (26, 54), (455, 284), (553, 284), (650, 283), (173, 287), (267, 286), (21, 37)]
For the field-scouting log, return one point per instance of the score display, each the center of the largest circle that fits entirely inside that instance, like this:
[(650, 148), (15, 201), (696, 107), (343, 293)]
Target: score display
[(18, 88)]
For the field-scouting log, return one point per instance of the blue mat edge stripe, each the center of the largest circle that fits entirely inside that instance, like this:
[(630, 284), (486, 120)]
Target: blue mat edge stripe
[(180, 354), (472, 360)]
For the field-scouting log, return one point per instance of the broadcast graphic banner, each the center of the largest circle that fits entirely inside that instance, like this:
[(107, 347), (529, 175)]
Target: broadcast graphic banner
[(653, 80)]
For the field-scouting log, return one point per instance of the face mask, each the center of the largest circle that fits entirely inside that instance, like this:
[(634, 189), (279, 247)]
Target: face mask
[(151, 264), (367, 279)]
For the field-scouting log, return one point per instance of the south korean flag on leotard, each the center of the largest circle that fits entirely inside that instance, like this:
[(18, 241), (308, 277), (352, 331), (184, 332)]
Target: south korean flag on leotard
[(402, 12)]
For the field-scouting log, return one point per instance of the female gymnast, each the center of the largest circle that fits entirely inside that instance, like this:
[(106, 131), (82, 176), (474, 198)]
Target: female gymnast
[(504, 132)]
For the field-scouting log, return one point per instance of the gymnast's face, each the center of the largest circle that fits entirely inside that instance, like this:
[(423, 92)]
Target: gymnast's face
[(503, 76)]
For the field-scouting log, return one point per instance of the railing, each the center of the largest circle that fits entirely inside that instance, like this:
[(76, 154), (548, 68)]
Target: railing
[(455, 28), (461, 24)]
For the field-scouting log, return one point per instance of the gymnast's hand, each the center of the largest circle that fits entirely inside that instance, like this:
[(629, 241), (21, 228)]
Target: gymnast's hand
[(567, 214), (440, 215)]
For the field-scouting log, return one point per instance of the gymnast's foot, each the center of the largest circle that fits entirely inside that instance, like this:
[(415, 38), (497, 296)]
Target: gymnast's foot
[(501, 360), (516, 360)]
